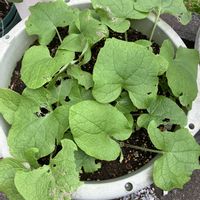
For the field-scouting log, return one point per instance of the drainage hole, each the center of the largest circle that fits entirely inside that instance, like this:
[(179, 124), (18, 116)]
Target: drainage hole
[(7, 37), (191, 126), (128, 187)]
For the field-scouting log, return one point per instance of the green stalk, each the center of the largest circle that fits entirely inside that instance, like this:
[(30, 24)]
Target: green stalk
[(155, 24), (126, 36), (2, 28), (122, 144), (58, 35)]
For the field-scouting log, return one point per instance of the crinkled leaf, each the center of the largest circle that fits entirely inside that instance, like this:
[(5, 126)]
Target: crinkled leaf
[(182, 75), (125, 65), (118, 8), (163, 111), (34, 129), (176, 8), (8, 169), (38, 67), (95, 127), (86, 162), (84, 78), (180, 157), (56, 181), (46, 17), (119, 25), (9, 101)]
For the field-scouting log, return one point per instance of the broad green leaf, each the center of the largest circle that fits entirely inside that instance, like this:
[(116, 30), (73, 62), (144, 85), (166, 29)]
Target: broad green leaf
[(8, 169), (38, 67), (56, 181), (176, 8), (180, 157), (126, 65), (167, 50), (31, 156), (119, 25), (163, 111), (121, 9), (33, 129), (9, 101), (87, 162), (182, 75), (46, 17), (73, 42), (83, 78), (145, 43), (95, 127), (124, 104), (91, 28)]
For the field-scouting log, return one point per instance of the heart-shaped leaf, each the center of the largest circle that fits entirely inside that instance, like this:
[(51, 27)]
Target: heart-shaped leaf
[(180, 157), (38, 67), (125, 65), (96, 127)]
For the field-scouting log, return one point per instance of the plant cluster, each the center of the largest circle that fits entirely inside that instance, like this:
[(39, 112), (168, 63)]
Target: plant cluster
[(88, 116)]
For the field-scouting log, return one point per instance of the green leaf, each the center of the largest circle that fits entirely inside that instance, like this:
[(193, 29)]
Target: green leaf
[(87, 162), (182, 75), (56, 181), (8, 169), (38, 67), (180, 157), (119, 25), (126, 65), (33, 129), (45, 19), (124, 104), (163, 111), (167, 50), (176, 8), (83, 78), (73, 42), (121, 9), (96, 127), (91, 28), (9, 101)]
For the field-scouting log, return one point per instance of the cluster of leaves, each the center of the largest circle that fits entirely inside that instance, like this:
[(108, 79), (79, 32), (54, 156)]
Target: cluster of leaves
[(71, 108), (193, 5)]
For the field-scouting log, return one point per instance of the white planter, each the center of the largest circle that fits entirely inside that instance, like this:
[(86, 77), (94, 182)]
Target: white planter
[(23, 8), (197, 41), (13, 46)]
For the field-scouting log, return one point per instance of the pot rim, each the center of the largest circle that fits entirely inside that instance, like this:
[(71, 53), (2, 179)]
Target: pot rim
[(140, 178)]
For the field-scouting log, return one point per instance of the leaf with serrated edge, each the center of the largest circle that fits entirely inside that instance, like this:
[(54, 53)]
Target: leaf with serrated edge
[(163, 111), (87, 162), (176, 8), (83, 78), (45, 19), (95, 127), (125, 65), (35, 131), (8, 169), (182, 73), (9, 101), (180, 157), (56, 181), (37, 60)]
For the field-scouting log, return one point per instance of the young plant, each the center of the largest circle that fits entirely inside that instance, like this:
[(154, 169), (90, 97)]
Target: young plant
[(88, 116)]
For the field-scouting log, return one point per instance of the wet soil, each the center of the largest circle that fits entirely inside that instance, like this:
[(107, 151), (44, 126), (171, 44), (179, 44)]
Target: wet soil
[(133, 159)]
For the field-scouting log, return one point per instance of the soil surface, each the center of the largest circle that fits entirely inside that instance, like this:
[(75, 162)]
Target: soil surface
[(4, 8), (133, 159)]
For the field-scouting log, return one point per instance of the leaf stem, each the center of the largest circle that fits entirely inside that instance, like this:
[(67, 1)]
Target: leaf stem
[(155, 24), (126, 36), (122, 144), (58, 35)]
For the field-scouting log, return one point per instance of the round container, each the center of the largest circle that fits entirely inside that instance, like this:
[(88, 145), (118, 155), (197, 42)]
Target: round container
[(13, 46)]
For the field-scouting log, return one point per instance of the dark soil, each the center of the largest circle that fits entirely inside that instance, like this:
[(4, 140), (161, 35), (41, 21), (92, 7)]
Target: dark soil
[(133, 159), (4, 8)]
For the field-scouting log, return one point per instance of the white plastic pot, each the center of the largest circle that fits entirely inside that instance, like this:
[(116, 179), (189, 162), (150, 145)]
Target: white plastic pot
[(13, 46), (197, 41)]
